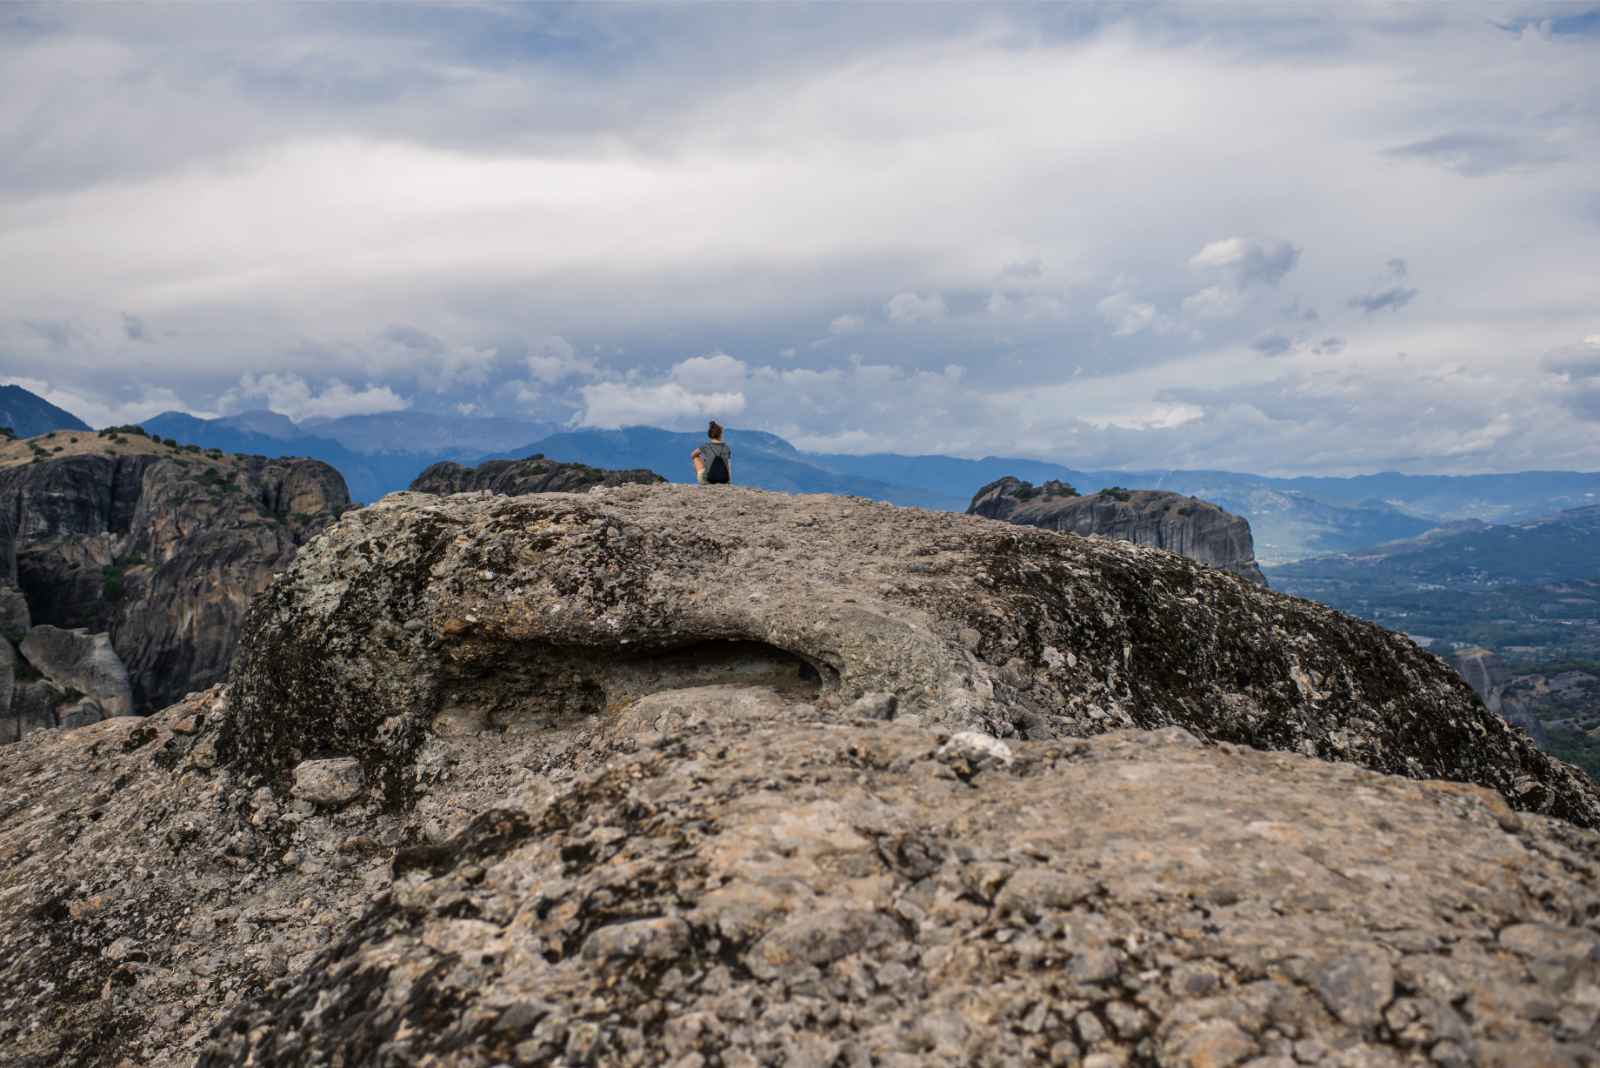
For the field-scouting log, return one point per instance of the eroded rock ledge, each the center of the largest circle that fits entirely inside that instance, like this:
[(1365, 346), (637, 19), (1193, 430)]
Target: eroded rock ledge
[(422, 616)]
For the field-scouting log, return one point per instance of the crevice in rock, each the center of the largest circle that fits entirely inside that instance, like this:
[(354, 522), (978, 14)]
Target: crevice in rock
[(540, 685)]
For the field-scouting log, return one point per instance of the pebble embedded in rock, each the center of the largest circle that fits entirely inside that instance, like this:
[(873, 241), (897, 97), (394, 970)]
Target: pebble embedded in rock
[(335, 781)]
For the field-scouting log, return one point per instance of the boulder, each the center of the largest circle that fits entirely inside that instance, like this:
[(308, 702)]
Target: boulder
[(78, 660), (512, 478), (1184, 525), (423, 617)]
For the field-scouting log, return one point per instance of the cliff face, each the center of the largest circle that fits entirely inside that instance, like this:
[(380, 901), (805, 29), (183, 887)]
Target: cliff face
[(159, 547), (512, 478), (656, 776), (1183, 525)]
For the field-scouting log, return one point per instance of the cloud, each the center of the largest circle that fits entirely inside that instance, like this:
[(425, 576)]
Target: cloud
[(293, 396), (553, 358), (1476, 155), (714, 372), (1125, 315), (847, 324), (908, 308), (1329, 346), (1578, 368), (1033, 267), (502, 181), (1394, 297), (438, 367), (1248, 260), (1212, 302), (1273, 344), (670, 404), (134, 328)]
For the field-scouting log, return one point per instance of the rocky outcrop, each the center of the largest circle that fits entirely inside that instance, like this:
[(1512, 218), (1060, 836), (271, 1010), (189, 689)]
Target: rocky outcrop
[(158, 546), (1184, 525), (81, 662), (423, 615), (654, 776), (512, 478), (1485, 672), (1488, 676), (774, 882)]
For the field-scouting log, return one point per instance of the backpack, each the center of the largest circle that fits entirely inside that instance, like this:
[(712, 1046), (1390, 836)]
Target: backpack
[(718, 470)]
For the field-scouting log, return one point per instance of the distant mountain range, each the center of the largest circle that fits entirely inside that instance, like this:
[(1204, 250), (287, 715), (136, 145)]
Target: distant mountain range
[(1291, 518), (28, 415)]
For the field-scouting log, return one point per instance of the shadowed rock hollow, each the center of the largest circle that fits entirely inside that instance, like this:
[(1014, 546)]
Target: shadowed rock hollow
[(670, 776), (423, 616)]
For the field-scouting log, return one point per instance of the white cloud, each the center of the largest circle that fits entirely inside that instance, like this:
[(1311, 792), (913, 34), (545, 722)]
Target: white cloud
[(616, 404), (847, 324), (908, 308), (485, 204), (292, 395), (553, 358), (1212, 302), (1125, 315), (713, 372), (1248, 260)]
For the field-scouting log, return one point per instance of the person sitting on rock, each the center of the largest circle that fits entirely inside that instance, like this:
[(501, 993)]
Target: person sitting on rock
[(713, 460)]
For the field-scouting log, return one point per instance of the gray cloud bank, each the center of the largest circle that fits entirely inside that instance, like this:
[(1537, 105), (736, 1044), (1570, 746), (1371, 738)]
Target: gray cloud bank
[(1072, 232)]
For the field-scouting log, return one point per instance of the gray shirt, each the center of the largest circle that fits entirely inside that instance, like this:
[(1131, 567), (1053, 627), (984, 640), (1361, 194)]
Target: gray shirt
[(710, 450)]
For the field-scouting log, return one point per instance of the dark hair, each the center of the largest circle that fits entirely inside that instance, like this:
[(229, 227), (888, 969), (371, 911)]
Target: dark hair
[(714, 431)]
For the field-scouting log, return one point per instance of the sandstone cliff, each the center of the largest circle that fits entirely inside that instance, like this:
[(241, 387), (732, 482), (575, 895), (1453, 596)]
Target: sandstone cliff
[(157, 546), (512, 478), (655, 776), (1184, 525)]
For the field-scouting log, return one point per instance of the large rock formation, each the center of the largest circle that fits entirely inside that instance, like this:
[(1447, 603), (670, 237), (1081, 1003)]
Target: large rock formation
[(422, 614), (1488, 676), (158, 546), (656, 776), (512, 478), (1184, 525), (82, 662)]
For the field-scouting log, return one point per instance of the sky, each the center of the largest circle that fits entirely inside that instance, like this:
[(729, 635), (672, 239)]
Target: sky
[(1286, 238)]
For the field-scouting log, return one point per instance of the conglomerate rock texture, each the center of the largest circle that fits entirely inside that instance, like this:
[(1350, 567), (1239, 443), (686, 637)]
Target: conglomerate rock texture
[(1184, 525), (425, 614), (678, 777), (513, 478), (159, 546)]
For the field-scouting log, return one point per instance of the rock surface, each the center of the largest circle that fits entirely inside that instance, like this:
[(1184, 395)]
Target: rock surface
[(1184, 525), (422, 616), (1488, 676), (159, 546), (772, 884), (639, 799), (512, 478), (78, 660)]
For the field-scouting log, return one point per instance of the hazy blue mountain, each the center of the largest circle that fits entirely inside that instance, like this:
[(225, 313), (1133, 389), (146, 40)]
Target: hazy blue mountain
[(762, 460), (434, 433), (369, 476), (29, 415)]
